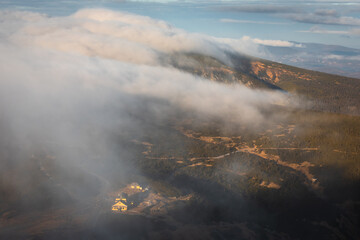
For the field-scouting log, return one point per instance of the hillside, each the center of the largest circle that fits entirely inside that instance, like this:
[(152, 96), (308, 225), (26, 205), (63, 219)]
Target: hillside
[(326, 92), (206, 180)]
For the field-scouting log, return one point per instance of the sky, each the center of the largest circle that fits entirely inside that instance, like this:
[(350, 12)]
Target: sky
[(319, 21)]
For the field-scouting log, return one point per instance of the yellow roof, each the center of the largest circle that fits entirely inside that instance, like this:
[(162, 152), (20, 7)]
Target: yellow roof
[(119, 204)]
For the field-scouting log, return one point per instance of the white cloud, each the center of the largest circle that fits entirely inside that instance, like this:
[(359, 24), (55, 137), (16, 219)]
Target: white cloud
[(323, 17), (68, 83), (341, 57), (316, 29), (105, 33), (228, 20), (274, 43), (252, 46)]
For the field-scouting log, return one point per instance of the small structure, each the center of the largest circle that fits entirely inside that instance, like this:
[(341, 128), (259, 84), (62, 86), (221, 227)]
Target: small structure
[(119, 207), (130, 197), (120, 203), (136, 186)]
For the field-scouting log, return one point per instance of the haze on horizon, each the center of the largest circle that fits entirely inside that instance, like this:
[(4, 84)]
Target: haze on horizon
[(316, 35)]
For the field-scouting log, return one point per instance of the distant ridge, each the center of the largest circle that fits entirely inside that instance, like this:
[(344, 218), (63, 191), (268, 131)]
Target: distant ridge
[(327, 92)]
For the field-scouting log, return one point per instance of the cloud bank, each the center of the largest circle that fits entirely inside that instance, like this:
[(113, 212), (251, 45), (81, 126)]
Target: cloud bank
[(69, 85), (107, 34), (229, 20), (324, 16)]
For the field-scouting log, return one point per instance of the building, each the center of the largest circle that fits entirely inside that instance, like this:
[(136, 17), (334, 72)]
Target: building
[(120, 203), (136, 186), (119, 207)]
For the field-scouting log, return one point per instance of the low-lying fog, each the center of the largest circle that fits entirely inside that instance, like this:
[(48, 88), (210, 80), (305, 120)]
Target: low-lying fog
[(68, 83)]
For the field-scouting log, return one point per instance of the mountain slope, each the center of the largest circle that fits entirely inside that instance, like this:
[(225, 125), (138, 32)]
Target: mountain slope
[(207, 179), (327, 92)]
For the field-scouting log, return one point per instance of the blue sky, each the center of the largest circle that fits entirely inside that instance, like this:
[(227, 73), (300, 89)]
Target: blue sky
[(327, 22)]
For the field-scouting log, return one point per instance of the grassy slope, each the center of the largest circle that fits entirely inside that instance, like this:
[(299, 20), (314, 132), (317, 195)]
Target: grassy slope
[(327, 92)]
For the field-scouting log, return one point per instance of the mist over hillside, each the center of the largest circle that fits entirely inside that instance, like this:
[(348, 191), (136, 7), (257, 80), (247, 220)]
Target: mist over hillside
[(226, 145), (80, 77)]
